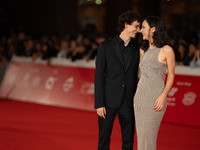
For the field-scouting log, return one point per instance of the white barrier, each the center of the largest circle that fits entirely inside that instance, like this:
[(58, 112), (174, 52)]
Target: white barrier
[(71, 84)]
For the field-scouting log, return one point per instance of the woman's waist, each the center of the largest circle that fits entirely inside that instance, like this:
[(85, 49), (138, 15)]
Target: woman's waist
[(152, 76), (155, 80)]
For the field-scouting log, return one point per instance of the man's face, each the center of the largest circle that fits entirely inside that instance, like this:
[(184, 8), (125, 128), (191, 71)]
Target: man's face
[(132, 29)]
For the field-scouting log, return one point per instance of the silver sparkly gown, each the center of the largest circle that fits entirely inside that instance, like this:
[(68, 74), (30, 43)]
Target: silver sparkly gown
[(150, 87)]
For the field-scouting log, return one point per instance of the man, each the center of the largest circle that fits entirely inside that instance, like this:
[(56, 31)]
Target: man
[(116, 81)]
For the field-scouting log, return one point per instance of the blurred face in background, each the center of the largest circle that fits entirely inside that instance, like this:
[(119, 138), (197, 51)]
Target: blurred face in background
[(1, 49), (86, 41), (181, 49), (79, 40), (45, 48), (38, 46), (25, 44), (192, 48), (21, 36), (100, 39), (11, 48), (9, 41), (30, 43), (72, 44), (64, 45)]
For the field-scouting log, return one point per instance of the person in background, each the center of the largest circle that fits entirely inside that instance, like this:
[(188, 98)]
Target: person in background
[(64, 48), (196, 59), (190, 55), (180, 53), (29, 49), (20, 48), (38, 51), (77, 49), (94, 47)]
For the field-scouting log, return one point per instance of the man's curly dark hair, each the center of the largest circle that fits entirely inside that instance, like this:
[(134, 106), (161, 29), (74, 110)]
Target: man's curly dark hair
[(127, 17)]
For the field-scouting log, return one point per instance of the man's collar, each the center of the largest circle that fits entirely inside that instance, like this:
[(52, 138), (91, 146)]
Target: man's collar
[(119, 40)]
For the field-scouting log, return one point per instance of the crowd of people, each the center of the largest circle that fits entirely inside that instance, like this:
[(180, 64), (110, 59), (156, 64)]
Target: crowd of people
[(188, 54), (46, 47), (80, 47)]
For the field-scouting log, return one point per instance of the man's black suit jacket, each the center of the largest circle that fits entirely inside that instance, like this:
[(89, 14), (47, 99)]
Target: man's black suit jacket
[(113, 81)]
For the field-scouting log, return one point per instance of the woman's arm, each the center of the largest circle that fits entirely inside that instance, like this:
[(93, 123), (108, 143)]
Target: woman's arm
[(170, 61)]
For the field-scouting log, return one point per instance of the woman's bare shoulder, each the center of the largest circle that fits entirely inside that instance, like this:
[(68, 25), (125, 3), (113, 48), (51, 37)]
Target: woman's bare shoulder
[(167, 49)]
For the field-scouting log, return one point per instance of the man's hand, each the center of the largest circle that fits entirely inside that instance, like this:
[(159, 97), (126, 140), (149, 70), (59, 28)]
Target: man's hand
[(101, 112), (164, 75)]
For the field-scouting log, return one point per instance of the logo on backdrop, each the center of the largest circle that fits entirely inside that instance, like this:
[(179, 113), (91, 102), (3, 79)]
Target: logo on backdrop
[(171, 101), (184, 83), (25, 79), (50, 83), (68, 84), (87, 88), (189, 98), (172, 91)]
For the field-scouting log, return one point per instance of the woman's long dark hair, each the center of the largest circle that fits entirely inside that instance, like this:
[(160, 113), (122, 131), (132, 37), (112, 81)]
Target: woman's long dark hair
[(160, 36)]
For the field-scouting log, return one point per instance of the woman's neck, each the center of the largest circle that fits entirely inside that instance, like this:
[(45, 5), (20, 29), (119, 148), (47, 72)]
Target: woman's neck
[(151, 45)]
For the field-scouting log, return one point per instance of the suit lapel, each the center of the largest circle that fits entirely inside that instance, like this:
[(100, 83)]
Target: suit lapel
[(117, 51), (129, 59), (132, 55)]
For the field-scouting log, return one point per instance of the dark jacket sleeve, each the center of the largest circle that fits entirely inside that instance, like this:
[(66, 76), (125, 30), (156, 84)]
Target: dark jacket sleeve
[(100, 77)]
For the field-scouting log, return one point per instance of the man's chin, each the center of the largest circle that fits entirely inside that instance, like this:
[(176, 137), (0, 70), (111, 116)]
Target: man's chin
[(144, 38), (133, 36)]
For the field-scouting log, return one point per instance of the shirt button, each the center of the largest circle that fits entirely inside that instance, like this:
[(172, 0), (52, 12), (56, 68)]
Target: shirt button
[(123, 85)]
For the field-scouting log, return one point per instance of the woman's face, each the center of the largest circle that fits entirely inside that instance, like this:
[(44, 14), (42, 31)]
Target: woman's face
[(146, 31)]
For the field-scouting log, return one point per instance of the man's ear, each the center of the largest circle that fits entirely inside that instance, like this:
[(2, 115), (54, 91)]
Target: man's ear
[(153, 29), (125, 24)]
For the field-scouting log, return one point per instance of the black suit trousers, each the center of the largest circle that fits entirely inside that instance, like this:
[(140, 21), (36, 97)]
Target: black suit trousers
[(127, 123)]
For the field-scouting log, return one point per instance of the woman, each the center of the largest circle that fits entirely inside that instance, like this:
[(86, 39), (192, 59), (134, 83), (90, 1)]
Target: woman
[(180, 53), (191, 53), (150, 98), (196, 59)]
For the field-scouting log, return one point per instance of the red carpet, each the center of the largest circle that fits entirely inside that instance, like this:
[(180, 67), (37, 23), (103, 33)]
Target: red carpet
[(25, 126)]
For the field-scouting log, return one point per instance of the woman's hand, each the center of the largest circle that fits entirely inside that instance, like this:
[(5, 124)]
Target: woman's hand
[(160, 103)]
